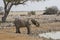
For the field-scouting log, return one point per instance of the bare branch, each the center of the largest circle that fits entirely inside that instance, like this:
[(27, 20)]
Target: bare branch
[(20, 2)]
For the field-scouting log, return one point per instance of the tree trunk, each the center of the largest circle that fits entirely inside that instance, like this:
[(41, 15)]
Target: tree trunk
[(5, 16), (6, 12)]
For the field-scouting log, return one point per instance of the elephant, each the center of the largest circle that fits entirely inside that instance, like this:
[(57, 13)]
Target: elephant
[(24, 23)]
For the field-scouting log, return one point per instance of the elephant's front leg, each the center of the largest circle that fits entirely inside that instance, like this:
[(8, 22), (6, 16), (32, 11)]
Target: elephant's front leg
[(18, 30), (28, 30)]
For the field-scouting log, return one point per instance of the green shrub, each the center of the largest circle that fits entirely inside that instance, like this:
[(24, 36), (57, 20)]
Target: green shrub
[(31, 13)]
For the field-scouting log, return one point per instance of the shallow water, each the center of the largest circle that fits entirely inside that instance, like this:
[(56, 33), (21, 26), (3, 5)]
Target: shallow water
[(53, 35)]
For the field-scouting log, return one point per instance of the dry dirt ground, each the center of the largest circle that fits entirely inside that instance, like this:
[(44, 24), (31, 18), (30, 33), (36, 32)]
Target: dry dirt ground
[(9, 33)]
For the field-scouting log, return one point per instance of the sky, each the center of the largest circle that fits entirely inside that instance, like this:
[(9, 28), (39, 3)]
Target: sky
[(34, 6)]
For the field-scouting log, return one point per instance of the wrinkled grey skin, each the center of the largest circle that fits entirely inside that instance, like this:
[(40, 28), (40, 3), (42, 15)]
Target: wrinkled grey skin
[(24, 23)]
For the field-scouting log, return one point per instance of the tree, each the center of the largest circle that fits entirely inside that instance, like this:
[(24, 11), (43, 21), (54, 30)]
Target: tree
[(8, 5), (51, 10)]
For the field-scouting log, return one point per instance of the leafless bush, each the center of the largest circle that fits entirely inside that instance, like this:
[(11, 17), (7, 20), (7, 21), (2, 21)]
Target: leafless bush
[(23, 15)]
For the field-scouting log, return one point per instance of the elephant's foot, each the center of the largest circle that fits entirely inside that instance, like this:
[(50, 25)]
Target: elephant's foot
[(18, 32), (28, 33)]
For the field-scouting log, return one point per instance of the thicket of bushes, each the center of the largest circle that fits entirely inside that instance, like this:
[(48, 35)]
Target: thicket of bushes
[(51, 10)]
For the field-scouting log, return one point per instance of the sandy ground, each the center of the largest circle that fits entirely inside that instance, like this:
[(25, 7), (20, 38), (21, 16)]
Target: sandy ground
[(9, 33)]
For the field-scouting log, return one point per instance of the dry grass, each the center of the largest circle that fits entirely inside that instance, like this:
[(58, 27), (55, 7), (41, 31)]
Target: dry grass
[(9, 33)]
